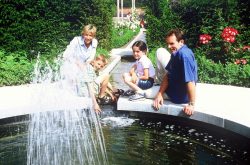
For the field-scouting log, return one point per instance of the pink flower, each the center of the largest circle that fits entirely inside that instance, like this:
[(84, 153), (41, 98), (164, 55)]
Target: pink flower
[(240, 61), (246, 48), (244, 61), (205, 38)]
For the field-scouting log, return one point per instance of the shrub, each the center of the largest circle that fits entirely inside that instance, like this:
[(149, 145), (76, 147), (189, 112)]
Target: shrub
[(32, 25), (15, 68), (217, 73), (122, 35), (160, 19)]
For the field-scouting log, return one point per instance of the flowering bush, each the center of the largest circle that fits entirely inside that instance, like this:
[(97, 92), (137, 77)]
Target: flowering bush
[(205, 38), (228, 34), (223, 47)]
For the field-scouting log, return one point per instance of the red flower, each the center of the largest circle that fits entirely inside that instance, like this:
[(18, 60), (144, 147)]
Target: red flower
[(205, 38), (246, 48), (228, 34), (237, 61)]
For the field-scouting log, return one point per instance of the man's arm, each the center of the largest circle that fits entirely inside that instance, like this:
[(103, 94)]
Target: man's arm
[(93, 51), (189, 109)]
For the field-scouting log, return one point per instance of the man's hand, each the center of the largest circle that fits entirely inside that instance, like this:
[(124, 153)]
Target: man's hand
[(158, 101), (189, 110)]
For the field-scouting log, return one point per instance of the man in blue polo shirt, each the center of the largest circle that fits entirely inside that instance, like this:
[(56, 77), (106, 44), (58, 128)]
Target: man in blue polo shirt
[(181, 77)]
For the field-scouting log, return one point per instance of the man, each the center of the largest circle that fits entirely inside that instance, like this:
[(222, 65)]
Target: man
[(181, 76)]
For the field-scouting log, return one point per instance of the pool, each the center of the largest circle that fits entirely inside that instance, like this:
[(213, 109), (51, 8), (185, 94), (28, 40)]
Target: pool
[(145, 139)]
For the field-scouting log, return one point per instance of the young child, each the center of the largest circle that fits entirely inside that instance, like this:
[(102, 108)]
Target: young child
[(93, 86), (108, 94), (104, 90), (141, 75)]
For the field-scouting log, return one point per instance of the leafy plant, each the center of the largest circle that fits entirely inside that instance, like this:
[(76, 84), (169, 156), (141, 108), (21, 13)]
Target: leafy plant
[(15, 68)]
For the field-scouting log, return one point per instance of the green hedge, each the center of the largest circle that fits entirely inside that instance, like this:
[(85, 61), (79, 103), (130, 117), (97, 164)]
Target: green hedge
[(217, 73), (160, 19), (15, 68), (29, 28), (33, 25)]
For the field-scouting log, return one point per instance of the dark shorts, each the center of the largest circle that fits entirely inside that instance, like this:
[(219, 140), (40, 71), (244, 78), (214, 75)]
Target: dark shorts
[(146, 84)]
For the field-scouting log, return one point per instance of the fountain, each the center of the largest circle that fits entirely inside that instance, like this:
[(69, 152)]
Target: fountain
[(65, 136)]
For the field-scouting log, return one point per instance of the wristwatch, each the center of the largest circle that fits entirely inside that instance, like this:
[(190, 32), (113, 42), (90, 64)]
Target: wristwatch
[(191, 103)]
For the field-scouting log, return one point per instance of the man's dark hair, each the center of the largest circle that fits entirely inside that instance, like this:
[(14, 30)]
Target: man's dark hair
[(178, 33)]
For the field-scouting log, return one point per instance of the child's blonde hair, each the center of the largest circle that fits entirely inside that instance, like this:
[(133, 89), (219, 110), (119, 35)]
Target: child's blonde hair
[(102, 58), (89, 29)]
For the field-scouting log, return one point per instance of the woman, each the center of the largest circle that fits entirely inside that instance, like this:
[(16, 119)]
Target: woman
[(82, 48)]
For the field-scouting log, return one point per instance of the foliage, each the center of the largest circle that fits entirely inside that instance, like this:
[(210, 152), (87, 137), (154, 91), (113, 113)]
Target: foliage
[(217, 73), (152, 55), (32, 25), (212, 17), (102, 51), (100, 13), (15, 68), (160, 19), (227, 43), (122, 35)]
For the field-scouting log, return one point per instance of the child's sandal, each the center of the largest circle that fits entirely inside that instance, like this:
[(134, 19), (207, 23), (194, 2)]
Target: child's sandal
[(105, 100), (119, 92), (129, 93)]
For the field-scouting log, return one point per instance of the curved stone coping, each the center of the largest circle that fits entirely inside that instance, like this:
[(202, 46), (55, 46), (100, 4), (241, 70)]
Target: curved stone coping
[(28, 99), (220, 105)]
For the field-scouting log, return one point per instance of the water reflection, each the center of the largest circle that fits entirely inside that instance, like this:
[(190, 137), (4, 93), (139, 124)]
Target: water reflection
[(145, 141)]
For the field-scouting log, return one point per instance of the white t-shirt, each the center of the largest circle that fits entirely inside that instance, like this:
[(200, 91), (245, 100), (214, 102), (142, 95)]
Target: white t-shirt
[(145, 63)]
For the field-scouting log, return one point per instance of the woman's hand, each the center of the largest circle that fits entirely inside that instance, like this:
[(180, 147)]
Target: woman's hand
[(97, 108)]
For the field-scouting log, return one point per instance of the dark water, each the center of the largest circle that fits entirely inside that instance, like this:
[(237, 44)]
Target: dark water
[(149, 140)]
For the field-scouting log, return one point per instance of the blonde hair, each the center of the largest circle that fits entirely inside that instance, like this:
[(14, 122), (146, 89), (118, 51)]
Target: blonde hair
[(89, 29), (102, 58)]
